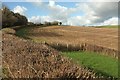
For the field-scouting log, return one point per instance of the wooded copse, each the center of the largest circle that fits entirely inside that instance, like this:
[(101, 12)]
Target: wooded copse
[(10, 19)]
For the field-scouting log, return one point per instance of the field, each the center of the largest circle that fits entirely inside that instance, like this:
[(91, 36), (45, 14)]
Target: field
[(72, 38), (74, 35), (104, 37), (101, 64)]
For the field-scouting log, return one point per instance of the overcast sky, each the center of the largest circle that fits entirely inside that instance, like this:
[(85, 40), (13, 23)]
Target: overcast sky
[(94, 12)]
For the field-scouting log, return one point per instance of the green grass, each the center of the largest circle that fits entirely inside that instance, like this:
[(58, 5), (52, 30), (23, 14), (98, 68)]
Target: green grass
[(105, 65), (109, 26), (23, 32)]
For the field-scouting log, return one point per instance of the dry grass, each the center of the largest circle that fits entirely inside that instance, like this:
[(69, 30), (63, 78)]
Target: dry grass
[(105, 37), (26, 59), (102, 40)]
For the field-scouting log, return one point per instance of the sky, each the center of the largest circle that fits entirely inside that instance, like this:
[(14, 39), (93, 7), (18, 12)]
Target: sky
[(77, 13)]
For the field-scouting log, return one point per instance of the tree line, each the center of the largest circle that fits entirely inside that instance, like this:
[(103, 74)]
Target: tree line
[(10, 18), (48, 23)]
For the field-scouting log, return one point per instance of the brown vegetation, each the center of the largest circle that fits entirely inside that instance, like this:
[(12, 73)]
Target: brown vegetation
[(26, 59), (85, 47), (95, 39)]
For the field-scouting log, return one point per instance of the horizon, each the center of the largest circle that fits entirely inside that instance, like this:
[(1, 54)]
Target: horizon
[(69, 13)]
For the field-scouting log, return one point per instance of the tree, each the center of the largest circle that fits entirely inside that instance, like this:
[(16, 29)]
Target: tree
[(60, 23), (55, 23), (7, 17), (21, 20), (10, 18), (47, 23)]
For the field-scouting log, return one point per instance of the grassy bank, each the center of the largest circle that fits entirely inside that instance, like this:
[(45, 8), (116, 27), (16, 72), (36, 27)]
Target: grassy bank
[(23, 32), (99, 63)]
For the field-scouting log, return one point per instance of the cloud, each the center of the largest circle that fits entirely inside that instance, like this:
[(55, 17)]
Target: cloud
[(106, 12), (34, 0), (95, 12), (35, 19), (103, 0), (111, 21), (57, 12), (78, 20), (20, 9), (100, 10), (51, 3), (40, 19)]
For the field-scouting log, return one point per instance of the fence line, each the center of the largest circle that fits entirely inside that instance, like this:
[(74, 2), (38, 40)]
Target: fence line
[(85, 47)]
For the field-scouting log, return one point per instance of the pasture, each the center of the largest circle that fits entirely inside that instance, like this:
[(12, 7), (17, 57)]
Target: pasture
[(65, 35)]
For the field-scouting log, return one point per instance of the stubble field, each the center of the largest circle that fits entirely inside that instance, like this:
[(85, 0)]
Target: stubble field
[(105, 37)]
